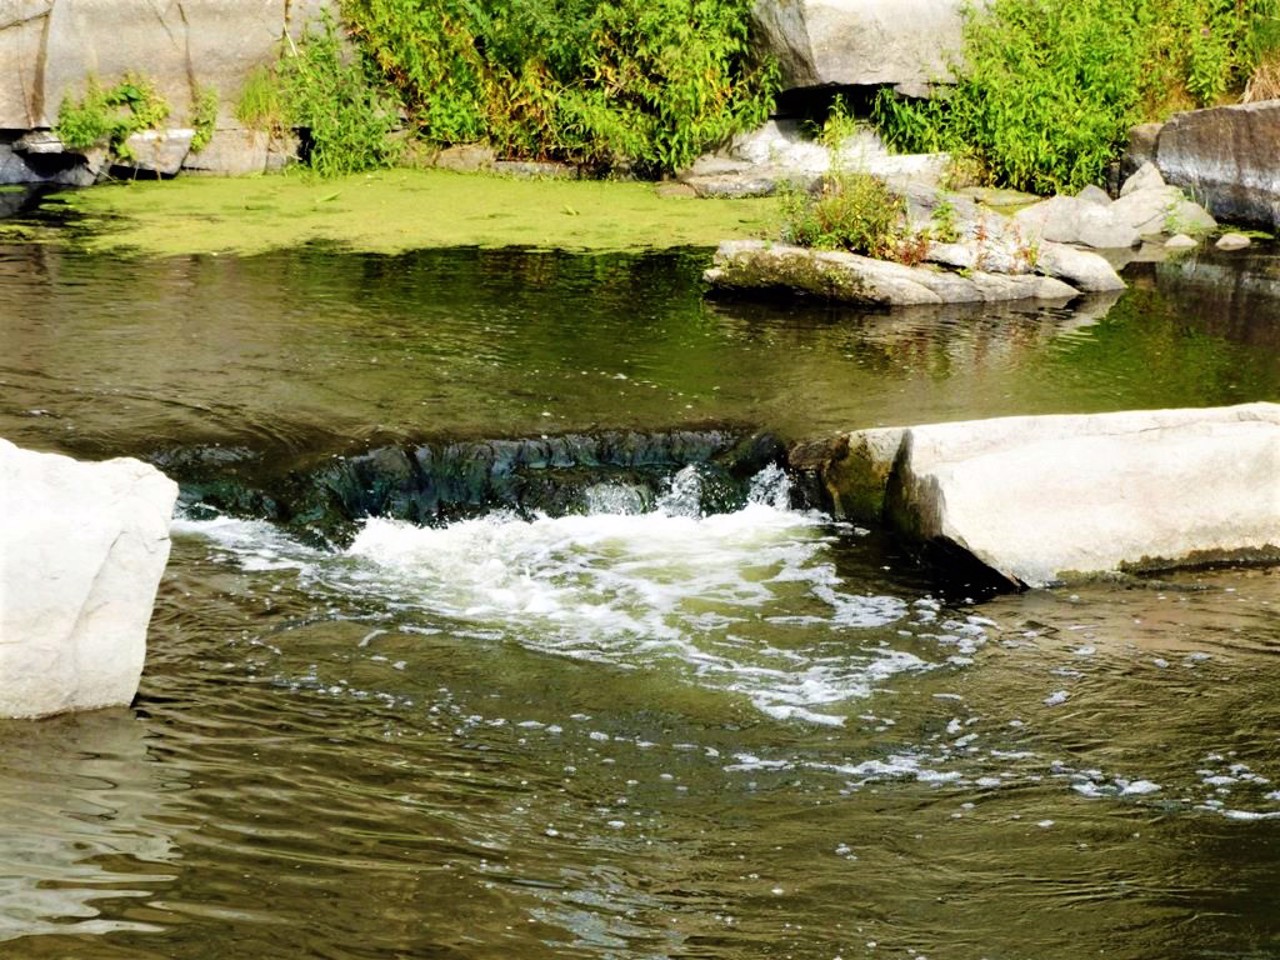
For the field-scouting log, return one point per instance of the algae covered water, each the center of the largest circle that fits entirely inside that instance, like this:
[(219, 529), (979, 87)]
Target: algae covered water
[(665, 722)]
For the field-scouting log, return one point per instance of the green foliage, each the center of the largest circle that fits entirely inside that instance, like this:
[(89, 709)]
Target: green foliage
[(336, 96), (648, 83), (109, 117), (204, 117), (1050, 89), (851, 211), (260, 106)]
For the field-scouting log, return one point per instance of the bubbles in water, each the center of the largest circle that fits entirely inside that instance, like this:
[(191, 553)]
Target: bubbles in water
[(713, 600)]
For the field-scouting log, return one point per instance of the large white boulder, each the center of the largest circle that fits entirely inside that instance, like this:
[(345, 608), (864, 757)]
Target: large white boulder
[(1040, 499), (82, 550), (908, 43)]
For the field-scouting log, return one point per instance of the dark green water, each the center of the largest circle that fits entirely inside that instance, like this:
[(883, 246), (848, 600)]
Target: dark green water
[(755, 734)]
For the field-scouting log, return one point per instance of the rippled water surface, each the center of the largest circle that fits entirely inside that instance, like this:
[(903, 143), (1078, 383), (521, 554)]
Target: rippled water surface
[(640, 732)]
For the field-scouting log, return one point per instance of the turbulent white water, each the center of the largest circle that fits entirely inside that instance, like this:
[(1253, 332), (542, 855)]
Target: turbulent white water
[(718, 601)]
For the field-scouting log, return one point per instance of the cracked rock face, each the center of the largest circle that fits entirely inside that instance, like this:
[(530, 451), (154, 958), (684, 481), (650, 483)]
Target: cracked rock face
[(907, 43), (51, 48)]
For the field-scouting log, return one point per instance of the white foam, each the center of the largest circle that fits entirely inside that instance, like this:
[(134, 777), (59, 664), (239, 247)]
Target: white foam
[(699, 596)]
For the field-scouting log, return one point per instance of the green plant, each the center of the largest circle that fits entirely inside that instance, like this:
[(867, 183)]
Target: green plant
[(338, 99), (204, 117), (1048, 91), (851, 211), (645, 84), (107, 118), (260, 106), (942, 223)]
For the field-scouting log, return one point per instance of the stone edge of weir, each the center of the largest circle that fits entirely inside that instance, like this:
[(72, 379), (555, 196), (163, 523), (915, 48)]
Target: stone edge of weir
[(1044, 499)]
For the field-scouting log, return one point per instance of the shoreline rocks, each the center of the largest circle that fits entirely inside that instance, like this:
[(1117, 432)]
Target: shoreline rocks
[(1041, 499), (1226, 158), (82, 551)]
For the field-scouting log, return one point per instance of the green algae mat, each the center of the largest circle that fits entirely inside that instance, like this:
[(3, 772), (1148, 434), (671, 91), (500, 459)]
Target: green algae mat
[(398, 210)]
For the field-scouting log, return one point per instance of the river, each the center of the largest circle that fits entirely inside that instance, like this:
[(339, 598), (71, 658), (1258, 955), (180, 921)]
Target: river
[(659, 722)]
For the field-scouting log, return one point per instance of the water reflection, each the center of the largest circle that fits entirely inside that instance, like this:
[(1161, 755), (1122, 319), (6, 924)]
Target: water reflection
[(84, 818), (308, 352)]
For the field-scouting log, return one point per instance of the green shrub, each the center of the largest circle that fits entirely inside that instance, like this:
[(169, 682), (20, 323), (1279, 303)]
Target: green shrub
[(647, 83), (335, 95), (1049, 90), (856, 212), (107, 118)]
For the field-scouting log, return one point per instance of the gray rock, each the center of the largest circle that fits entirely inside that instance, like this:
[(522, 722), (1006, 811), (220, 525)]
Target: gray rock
[(1095, 195), (1226, 158), (156, 151), (1084, 270), (534, 170), (1040, 499), (236, 153), (1233, 241), (1161, 210), (51, 48), (1070, 220), (1141, 149), (466, 158), (82, 550), (910, 43), (1145, 177), (1180, 241)]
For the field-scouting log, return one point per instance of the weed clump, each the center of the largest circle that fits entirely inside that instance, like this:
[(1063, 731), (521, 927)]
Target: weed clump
[(109, 117)]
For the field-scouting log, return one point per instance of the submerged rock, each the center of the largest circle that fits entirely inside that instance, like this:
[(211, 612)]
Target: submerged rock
[(1039, 499), (82, 550)]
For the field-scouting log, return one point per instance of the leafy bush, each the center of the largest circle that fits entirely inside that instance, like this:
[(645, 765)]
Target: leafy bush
[(856, 212), (339, 99), (649, 83), (107, 118), (1049, 90)]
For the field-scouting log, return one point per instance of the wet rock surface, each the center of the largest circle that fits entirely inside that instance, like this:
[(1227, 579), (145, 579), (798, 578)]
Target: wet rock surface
[(440, 481)]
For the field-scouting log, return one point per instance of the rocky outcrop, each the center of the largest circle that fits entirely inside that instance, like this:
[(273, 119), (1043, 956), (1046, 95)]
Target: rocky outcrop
[(780, 155), (906, 43), (1226, 157), (1040, 499), (82, 550), (52, 48), (1147, 207), (849, 278)]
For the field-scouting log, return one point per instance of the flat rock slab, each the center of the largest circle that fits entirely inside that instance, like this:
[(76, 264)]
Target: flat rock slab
[(1043, 499), (849, 278), (82, 550)]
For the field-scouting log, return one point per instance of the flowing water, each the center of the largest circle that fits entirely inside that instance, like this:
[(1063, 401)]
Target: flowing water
[(663, 721)]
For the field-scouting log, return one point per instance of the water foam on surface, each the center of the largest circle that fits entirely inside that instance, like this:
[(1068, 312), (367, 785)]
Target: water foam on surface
[(714, 600)]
